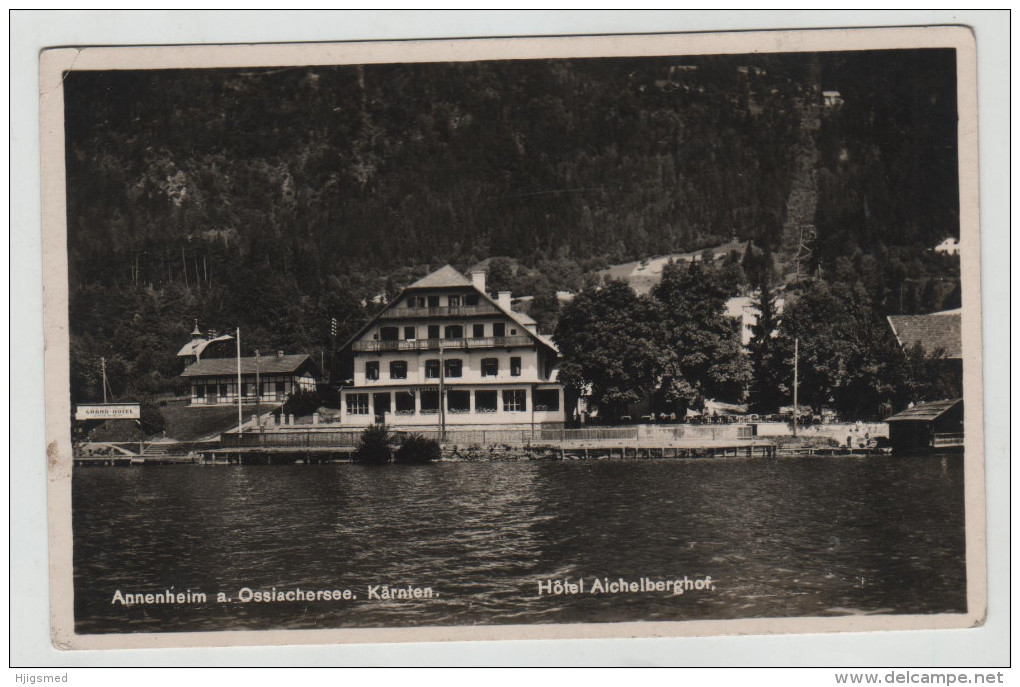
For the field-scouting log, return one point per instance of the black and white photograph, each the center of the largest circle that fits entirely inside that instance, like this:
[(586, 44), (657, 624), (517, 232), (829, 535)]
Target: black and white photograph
[(665, 336)]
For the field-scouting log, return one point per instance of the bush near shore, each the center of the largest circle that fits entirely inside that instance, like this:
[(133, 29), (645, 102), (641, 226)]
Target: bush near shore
[(376, 448)]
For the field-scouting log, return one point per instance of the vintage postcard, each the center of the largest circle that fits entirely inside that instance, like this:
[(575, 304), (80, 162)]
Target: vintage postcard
[(629, 336)]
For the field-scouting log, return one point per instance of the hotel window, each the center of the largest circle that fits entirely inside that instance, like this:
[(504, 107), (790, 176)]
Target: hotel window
[(398, 369), (281, 389), (454, 367), (357, 404), (515, 400), (433, 301), (485, 401), (432, 369), (372, 369), (513, 332), (429, 402), (547, 399), (478, 331), (454, 301), (498, 329), (515, 366), (458, 401), (433, 331), (410, 334), (490, 367), (419, 301), (471, 299), (223, 390), (388, 333), (454, 331), (404, 402)]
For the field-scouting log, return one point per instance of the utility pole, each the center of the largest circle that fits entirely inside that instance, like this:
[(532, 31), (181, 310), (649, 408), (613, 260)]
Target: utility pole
[(102, 365), (332, 347), (796, 353), (240, 412)]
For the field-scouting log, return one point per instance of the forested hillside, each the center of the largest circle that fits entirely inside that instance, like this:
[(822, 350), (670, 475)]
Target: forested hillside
[(275, 199)]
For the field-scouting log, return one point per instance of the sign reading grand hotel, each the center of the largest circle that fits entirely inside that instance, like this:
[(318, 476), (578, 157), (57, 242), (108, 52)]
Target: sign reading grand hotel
[(569, 337), (108, 411)]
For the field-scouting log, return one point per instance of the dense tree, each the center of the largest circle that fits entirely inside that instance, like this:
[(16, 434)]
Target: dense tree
[(765, 394), (607, 338), (699, 346), (930, 376), (848, 357)]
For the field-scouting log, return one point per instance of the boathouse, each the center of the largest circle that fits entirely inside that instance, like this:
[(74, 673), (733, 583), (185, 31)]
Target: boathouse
[(447, 353), (934, 426), (214, 380)]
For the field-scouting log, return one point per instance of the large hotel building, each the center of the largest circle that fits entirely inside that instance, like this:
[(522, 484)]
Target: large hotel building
[(446, 354)]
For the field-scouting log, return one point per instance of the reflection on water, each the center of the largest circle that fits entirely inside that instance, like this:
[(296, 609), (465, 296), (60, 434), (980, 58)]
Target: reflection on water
[(781, 537)]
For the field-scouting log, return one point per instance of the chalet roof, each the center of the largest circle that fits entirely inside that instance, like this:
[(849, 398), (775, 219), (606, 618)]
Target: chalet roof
[(268, 364), (938, 331), (925, 411), (442, 278)]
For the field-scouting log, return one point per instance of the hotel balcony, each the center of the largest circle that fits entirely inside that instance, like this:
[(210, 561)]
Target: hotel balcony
[(448, 344), (444, 311)]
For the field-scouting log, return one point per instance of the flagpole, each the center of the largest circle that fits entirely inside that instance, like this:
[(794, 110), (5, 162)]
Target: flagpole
[(796, 355), (240, 412)]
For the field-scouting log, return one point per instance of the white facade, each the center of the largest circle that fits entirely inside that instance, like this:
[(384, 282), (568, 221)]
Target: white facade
[(445, 339)]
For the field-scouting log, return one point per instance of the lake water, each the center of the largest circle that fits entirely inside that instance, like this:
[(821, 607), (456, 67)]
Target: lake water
[(779, 537)]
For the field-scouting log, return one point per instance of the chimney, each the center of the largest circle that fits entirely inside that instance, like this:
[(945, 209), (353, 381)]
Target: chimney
[(279, 354), (504, 300), (478, 280)]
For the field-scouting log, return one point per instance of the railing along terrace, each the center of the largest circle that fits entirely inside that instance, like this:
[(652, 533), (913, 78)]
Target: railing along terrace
[(447, 344), (347, 438), (439, 311)]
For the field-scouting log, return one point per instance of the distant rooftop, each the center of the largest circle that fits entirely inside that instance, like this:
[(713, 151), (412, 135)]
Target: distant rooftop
[(938, 331)]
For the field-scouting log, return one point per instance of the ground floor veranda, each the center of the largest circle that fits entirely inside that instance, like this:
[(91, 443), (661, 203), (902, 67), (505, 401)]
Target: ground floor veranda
[(270, 388), (458, 405)]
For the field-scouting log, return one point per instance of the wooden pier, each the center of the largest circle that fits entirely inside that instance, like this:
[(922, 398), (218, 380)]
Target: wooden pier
[(313, 446)]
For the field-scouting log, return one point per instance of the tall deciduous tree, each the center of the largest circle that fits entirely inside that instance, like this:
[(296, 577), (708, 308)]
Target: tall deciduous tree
[(699, 345), (607, 340), (847, 355)]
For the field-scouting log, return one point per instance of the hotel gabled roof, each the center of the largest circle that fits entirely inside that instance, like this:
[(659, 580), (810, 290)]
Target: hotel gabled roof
[(443, 278), (447, 277)]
